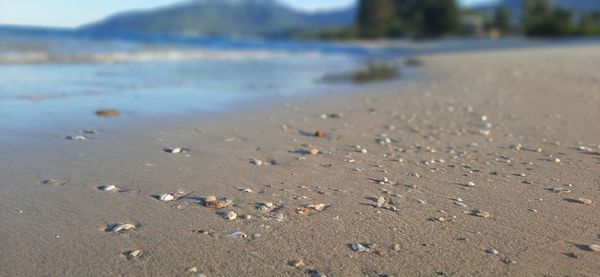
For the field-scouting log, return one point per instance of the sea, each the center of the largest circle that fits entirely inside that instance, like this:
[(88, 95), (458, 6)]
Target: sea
[(52, 82)]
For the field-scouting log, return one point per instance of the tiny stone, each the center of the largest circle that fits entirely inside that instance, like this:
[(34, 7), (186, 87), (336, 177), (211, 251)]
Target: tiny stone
[(492, 251), (231, 215)]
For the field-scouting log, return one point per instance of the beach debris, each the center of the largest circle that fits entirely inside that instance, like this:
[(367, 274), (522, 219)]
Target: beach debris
[(469, 184), (480, 213), (584, 201), (121, 228), (167, 197), (257, 162), (380, 202), (247, 190), (364, 151), (594, 247), (560, 190), (320, 134), (509, 261), (213, 203), (174, 150), (108, 188), (231, 215), (77, 137), (532, 210), (236, 234), (460, 204), (267, 206), (357, 247), (192, 269), (312, 208), (53, 182), (296, 263), (396, 247), (108, 112), (313, 151), (132, 254), (492, 251)]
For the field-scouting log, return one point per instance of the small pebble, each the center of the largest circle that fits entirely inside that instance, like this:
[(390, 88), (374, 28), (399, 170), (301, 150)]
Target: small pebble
[(492, 251), (231, 215)]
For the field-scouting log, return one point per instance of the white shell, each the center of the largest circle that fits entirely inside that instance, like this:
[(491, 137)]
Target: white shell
[(492, 251), (135, 253), (357, 247), (236, 234), (175, 150), (594, 247), (231, 215), (108, 188), (166, 197), (257, 162), (470, 184), (122, 227)]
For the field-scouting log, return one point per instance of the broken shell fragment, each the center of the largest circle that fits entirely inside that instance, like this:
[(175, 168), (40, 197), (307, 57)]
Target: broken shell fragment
[(108, 188), (583, 201), (231, 215), (175, 150), (221, 204), (594, 247), (319, 134), (492, 251), (210, 198), (121, 227), (561, 190), (236, 234), (133, 254), (357, 247), (480, 213), (257, 162), (313, 151), (296, 263), (166, 197)]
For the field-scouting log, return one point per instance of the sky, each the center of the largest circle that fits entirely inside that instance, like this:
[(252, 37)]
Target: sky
[(73, 13)]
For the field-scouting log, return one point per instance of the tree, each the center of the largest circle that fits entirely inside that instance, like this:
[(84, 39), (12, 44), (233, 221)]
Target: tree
[(501, 19), (542, 19), (435, 18), (375, 17), (589, 23)]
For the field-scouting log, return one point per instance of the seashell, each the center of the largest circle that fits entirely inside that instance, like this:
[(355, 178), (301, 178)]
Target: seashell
[(357, 247), (236, 234), (269, 204), (297, 263), (257, 162), (108, 188), (78, 137), (364, 151), (313, 151), (231, 215), (166, 197), (561, 190), (460, 204), (108, 112), (248, 190), (594, 247), (317, 207), (133, 254), (192, 269), (120, 228), (470, 184), (583, 201), (319, 134), (302, 210), (217, 204), (210, 198), (492, 251), (380, 202), (481, 213), (175, 150)]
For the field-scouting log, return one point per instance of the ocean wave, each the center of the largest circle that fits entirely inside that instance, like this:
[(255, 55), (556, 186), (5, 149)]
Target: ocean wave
[(145, 56)]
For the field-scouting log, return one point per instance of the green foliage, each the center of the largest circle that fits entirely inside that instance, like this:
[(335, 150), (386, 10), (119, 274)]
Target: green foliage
[(419, 18), (589, 23), (501, 19), (375, 17), (543, 20)]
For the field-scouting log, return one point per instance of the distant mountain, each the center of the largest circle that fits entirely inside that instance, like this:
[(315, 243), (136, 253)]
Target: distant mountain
[(516, 6), (264, 18)]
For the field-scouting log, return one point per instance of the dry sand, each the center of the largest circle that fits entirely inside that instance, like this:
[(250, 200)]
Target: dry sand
[(546, 100)]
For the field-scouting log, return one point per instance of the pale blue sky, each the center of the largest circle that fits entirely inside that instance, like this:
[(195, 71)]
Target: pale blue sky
[(72, 13)]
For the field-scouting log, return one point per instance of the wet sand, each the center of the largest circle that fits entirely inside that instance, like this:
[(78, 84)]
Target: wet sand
[(512, 134)]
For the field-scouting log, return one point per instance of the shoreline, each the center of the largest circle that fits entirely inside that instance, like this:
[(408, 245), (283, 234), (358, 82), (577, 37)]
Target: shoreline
[(461, 121)]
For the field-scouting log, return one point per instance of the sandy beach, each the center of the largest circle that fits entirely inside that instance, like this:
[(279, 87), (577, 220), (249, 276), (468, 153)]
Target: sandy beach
[(481, 165)]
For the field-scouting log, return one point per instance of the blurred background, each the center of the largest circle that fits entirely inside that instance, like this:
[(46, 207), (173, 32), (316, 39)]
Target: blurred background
[(62, 60)]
